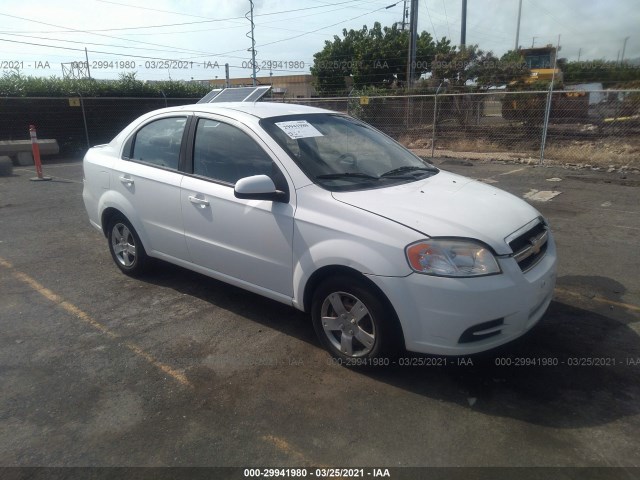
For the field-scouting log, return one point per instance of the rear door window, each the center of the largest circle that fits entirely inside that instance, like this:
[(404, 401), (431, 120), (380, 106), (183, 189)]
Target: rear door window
[(158, 143)]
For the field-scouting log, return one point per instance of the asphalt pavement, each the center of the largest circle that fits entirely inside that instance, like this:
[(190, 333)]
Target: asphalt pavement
[(176, 369)]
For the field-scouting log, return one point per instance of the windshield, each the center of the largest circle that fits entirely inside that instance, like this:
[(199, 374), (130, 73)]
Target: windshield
[(341, 153)]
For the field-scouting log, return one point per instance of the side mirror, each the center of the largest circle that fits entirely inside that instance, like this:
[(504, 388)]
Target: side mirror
[(259, 187)]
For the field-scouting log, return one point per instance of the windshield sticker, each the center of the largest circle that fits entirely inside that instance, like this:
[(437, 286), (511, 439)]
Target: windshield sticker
[(299, 129)]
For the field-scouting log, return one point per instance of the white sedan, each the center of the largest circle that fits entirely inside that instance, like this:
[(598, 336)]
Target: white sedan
[(321, 211)]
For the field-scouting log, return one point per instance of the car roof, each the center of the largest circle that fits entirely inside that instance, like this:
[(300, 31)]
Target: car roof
[(257, 109), (241, 111)]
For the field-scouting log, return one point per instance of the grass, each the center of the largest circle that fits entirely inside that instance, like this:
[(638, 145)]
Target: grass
[(601, 153)]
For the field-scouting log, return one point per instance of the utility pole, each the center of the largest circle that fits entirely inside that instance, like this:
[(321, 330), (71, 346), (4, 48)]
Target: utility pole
[(86, 56), (518, 27), (579, 53), (463, 28), (413, 41), (253, 45), (624, 47), (533, 42), (404, 16)]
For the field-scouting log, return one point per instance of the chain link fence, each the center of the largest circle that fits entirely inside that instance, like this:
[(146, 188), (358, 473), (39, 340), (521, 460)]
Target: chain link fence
[(597, 128), (76, 123)]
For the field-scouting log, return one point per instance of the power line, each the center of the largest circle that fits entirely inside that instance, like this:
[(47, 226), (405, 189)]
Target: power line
[(183, 50), (212, 20), (94, 32), (172, 12), (258, 24), (328, 26), (144, 57), (97, 44), (446, 17), (435, 35), (102, 35)]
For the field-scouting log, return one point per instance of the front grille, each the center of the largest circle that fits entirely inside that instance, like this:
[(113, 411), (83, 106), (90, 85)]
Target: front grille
[(529, 248), (482, 331)]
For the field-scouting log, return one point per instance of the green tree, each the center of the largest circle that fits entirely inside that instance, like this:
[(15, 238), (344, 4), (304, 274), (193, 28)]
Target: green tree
[(335, 62), (471, 66), (471, 69), (608, 73), (374, 58), (511, 68)]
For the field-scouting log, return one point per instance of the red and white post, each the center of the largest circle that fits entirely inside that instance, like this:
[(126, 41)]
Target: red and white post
[(36, 155)]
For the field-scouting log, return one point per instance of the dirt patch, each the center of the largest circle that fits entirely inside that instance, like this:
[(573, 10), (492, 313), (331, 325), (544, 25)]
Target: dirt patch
[(595, 160), (566, 145)]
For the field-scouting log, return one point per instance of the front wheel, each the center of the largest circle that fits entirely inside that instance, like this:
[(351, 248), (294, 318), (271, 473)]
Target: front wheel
[(125, 246), (352, 322)]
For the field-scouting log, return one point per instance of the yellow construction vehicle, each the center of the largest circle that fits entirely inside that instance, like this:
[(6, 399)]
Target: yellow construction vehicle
[(567, 106)]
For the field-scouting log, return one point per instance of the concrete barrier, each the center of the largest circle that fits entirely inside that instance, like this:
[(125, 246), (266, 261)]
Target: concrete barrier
[(20, 151), (6, 167)]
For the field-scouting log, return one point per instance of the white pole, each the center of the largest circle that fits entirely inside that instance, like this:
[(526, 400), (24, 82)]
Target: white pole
[(548, 109), (518, 28)]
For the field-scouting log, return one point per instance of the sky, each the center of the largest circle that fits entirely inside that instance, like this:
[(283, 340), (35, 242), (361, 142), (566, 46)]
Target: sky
[(183, 40)]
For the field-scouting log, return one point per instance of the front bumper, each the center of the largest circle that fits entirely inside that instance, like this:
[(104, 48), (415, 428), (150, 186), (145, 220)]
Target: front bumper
[(435, 312)]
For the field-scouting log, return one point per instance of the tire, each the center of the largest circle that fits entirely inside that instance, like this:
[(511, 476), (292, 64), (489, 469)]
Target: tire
[(125, 246), (353, 323)]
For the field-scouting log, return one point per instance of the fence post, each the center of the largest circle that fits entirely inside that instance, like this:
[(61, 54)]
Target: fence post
[(616, 127), (84, 119), (407, 106), (349, 101), (549, 99), (545, 125), (435, 112)]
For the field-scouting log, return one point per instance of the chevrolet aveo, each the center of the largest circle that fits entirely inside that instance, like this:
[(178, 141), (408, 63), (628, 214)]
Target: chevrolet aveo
[(321, 211)]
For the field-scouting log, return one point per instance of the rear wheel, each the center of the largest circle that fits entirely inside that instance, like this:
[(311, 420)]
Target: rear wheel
[(352, 322), (125, 246)]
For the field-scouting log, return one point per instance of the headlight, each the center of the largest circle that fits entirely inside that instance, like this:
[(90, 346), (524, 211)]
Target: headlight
[(451, 258)]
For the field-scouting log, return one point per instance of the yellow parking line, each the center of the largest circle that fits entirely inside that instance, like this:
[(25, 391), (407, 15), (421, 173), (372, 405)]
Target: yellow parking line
[(628, 306), (86, 318), (285, 447), (4, 263), (296, 455)]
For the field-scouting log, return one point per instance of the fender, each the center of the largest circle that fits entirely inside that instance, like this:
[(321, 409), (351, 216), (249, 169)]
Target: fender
[(334, 233), (344, 252), (114, 199)]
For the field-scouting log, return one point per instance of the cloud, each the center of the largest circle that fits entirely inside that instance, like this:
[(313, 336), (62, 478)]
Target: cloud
[(593, 29)]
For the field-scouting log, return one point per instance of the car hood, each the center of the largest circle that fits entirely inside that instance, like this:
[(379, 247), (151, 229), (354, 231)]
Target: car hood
[(448, 205)]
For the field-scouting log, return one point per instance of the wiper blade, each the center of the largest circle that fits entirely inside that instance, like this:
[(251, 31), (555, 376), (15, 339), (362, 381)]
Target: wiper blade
[(395, 173), (331, 176), (407, 169)]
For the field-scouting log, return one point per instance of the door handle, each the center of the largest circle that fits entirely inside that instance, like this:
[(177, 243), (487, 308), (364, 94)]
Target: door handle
[(126, 180), (198, 201)]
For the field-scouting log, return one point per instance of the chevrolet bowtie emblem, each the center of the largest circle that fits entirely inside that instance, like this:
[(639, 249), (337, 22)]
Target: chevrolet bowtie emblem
[(537, 242)]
